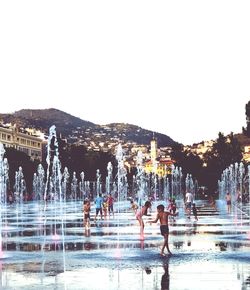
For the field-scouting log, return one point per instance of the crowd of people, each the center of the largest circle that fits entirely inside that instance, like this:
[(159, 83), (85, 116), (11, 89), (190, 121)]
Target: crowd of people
[(104, 208)]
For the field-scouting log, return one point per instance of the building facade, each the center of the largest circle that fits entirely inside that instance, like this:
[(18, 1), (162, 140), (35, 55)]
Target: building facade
[(10, 136)]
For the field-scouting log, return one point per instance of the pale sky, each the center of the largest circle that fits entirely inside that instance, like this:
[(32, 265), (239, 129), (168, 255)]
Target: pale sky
[(181, 68)]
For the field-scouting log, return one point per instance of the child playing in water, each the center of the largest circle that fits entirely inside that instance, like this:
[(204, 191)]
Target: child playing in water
[(86, 212), (143, 211), (163, 217)]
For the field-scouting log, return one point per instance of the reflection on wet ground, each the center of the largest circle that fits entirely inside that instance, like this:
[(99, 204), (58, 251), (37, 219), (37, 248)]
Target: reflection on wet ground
[(52, 251)]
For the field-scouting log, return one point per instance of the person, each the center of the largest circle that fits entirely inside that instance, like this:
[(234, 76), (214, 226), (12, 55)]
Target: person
[(163, 217), (86, 213), (134, 206), (188, 203), (194, 210), (172, 207), (110, 204), (105, 207), (229, 202), (140, 213), (98, 205)]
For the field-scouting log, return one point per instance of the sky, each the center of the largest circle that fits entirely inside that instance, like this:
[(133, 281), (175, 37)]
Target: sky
[(181, 68)]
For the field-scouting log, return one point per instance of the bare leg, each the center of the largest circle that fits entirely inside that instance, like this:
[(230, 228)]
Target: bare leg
[(141, 228), (165, 244)]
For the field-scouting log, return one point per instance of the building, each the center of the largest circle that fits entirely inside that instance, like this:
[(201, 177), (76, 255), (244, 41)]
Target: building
[(23, 141), (158, 165), (246, 154)]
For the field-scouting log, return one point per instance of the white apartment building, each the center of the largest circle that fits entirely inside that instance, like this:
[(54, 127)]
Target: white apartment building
[(10, 136)]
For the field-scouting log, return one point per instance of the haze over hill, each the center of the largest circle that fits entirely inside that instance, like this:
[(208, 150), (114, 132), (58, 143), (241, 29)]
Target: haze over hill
[(74, 128)]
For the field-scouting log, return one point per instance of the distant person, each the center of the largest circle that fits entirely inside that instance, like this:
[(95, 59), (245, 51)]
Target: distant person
[(140, 213), (229, 202), (86, 213), (163, 217), (105, 206), (188, 203), (172, 207), (194, 210), (98, 205), (110, 204)]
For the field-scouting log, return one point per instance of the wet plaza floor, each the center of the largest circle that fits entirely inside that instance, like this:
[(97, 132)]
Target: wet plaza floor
[(50, 249)]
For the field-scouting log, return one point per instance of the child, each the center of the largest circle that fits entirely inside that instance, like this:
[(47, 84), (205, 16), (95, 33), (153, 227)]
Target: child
[(172, 207), (105, 207), (86, 212), (194, 209), (111, 204), (140, 213), (163, 217)]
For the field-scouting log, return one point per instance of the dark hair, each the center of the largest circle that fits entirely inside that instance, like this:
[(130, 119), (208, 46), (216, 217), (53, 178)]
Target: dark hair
[(147, 204), (160, 207)]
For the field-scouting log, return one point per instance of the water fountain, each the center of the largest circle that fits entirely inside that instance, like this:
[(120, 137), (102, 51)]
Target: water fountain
[(140, 179), (49, 248), (65, 184), (20, 186), (109, 177), (235, 179), (121, 176), (39, 183), (82, 190)]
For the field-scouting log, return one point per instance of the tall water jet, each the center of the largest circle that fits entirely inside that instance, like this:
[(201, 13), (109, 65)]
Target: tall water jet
[(74, 187), (189, 184), (140, 178), (87, 189), (82, 186), (65, 183), (121, 175), (53, 190), (19, 186), (109, 178), (98, 182), (39, 183), (176, 183)]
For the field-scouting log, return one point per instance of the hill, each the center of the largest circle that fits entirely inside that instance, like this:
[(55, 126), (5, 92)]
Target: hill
[(75, 129), (44, 119)]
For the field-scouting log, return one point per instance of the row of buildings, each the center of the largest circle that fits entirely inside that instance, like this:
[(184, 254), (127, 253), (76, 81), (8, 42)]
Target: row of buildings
[(33, 143), (157, 160)]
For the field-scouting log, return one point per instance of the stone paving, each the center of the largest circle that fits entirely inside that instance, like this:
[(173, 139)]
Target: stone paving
[(54, 251)]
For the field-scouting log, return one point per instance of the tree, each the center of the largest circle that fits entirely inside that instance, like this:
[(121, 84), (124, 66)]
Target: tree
[(246, 130), (225, 151), (17, 158)]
